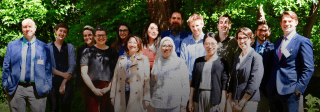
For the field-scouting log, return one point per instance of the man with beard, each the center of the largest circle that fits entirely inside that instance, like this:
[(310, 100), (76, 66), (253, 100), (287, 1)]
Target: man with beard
[(228, 47), (176, 32), (26, 73), (265, 48)]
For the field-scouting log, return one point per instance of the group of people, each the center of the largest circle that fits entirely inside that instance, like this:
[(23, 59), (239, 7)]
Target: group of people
[(169, 71)]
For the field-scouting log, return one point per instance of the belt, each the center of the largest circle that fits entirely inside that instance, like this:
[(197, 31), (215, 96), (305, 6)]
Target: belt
[(26, 84)]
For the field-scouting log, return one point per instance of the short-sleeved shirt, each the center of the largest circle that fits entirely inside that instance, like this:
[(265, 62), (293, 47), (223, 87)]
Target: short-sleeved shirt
[(101, 63), (61, 60)]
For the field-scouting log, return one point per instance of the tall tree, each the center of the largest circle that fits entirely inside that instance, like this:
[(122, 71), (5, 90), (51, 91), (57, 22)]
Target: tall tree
[(311, 18)]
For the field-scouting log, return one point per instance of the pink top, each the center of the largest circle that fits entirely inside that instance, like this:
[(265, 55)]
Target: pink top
[(151, 55)]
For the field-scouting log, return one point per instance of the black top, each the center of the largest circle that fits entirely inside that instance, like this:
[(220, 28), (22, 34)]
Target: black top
[(219, 78), (78, 68), (101, 63), (61, 60)]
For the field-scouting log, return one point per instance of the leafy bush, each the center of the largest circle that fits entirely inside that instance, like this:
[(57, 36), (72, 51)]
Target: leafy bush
[(313, 103), (3, 96)]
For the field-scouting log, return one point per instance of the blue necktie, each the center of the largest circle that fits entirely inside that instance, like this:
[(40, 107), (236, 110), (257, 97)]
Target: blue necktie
[(260, 49), (28, 64)]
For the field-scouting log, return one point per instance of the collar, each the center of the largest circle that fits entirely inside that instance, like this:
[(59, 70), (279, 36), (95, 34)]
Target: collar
[(249, 50), (25, 41), (139, 57), (263, 44), (225, 39), (201, 37), (290, 36)]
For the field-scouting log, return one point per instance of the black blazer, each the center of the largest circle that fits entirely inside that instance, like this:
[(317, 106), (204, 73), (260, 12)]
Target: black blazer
[(219, 78), (246, 77), (267, 64)]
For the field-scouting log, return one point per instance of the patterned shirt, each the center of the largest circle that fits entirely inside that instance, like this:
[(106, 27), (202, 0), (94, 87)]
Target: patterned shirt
[(228, 49)]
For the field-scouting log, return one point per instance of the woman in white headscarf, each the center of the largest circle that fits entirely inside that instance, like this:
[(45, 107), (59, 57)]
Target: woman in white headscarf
[(169, 79)]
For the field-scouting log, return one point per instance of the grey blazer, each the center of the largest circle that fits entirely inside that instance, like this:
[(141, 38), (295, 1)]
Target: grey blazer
[(71, 57), (246, 77)]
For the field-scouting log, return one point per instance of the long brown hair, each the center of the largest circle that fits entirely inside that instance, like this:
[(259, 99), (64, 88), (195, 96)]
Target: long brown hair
[(145, 34), (118, 43)]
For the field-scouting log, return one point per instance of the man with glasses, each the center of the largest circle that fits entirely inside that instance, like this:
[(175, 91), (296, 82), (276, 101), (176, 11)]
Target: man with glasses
[(26, 73), (265, 48), (176, 32)]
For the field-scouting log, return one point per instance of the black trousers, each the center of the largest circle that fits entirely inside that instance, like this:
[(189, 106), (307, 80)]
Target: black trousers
[(56, 99)]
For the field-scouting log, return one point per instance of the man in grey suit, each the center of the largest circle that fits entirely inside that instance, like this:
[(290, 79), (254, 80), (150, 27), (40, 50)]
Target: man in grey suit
[(27, 71)]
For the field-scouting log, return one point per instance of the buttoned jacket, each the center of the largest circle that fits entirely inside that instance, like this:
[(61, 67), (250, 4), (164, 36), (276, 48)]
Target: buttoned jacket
[(139, 72)]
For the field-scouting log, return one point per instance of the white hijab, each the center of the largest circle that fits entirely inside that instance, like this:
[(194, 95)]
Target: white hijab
[(169, 63)]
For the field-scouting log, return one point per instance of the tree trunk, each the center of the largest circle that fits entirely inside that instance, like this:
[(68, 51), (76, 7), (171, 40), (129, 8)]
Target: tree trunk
[(311, 19), (160, 11)]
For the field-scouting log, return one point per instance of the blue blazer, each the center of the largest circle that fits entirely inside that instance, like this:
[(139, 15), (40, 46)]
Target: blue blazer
[(294, 72), (267, 58), (12, 67)]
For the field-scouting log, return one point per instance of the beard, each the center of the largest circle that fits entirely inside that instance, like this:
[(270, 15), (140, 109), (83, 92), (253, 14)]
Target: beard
[(175, 29)]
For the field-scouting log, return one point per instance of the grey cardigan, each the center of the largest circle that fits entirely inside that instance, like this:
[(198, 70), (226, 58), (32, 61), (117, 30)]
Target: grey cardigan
[(71, 58), (246, 77)]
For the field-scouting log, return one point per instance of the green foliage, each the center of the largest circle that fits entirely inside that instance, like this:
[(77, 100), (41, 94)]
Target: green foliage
[(244, 14), (12, 12), (3, 96), (313, 103)]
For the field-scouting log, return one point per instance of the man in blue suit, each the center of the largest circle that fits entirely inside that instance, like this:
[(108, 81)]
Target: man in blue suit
[(293, 66), (26, 74), (176, 32), (265, 48)]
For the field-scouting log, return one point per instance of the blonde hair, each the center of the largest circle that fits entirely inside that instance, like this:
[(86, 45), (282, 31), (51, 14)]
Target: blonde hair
[(195, 17)]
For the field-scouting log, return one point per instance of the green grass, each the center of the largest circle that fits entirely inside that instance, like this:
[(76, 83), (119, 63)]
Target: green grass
[(4, 107)]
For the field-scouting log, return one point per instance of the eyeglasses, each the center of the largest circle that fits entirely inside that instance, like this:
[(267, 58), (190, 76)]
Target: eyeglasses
[(101, 36), (167, 46), (123, 31), (207, 44)]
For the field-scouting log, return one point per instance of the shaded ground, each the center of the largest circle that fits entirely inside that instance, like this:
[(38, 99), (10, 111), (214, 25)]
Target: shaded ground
[(77, 103)]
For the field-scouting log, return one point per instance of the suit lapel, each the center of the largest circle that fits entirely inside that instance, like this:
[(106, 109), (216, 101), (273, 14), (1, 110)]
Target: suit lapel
[(19, 53), (246, 58), (289, 47)]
